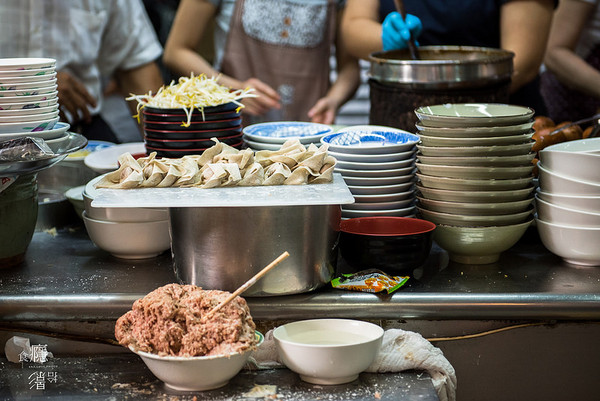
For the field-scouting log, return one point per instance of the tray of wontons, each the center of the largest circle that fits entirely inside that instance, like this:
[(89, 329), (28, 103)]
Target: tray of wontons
[(223, 176)]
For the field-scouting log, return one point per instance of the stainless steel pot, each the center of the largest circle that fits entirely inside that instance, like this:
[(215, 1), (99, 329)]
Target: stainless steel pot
[(222, 247), (441, 67), (444, 74)]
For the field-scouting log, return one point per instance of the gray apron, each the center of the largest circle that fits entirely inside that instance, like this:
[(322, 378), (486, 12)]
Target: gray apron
[(286, 44)]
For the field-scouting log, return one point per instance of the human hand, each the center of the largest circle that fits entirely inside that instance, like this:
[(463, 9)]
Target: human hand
[(267, 98), (74, 98), (323, 111), (396, 32)]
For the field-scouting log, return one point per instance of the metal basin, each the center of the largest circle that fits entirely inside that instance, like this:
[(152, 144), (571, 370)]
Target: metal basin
[(222, 247)]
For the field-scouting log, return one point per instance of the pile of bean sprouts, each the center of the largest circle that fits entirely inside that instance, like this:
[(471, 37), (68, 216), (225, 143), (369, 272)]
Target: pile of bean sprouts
[(192, 93)]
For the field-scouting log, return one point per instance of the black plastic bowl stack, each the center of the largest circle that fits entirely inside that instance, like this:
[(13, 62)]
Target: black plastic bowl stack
[(166, 133)]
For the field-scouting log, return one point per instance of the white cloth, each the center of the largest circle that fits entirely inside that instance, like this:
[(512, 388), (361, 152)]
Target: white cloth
[(400, 350), (89, 38)]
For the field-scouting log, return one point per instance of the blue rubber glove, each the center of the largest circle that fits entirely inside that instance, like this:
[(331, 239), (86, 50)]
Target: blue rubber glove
[(396, 32)]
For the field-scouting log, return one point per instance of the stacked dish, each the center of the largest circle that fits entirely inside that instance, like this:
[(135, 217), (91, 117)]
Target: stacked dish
[(378, 165), (128, 233), (169, 135), (270, 136), (475, 177), (568, 200), (28, 98)]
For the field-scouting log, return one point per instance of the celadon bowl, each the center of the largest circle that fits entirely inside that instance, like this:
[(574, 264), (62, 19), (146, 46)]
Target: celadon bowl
[(478, 245)]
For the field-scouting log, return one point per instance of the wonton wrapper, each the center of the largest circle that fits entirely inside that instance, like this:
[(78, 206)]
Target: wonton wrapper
[(128, 175)]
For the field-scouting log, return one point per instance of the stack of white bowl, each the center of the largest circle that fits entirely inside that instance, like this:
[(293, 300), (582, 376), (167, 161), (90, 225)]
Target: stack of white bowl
[(378, 165), (568, 200), (271, 135), (475, 177), (128, 233), (29, 99)]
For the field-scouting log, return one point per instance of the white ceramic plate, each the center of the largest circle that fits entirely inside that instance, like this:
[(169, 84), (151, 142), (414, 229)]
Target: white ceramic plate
[(27, 98), (380, 198), (401, 204), (29, 92), (27, 73), (475, 132), (20, 113), (27, 127), (27, 118), (26, 63), (366, 181), (404, 212), (58, 130), (4, 80), (270, 146), (105, 160), (473, 114), (381, 189), (370, 139), (488, 141), (373, 173), (463, 151), (280, 131), (29, 105), (27, 85), (408, 157), (400, 165)]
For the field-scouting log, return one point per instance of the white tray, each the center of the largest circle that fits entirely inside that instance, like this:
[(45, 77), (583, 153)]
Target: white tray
[(335, 193)]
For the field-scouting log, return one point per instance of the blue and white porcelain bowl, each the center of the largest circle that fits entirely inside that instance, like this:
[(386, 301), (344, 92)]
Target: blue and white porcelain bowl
[(370, 139), (280, 131)]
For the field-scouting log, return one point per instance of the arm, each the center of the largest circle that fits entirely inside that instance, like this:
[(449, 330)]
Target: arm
[(524, 28), (73, 98), (181, 56), (139, 80), (348, 80), (361, 28), (561, 58)]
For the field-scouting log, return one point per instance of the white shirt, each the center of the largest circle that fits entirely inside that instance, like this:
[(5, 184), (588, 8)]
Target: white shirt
[(89, 38)]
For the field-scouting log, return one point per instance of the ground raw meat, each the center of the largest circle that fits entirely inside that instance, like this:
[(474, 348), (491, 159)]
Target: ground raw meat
[(167, 321)]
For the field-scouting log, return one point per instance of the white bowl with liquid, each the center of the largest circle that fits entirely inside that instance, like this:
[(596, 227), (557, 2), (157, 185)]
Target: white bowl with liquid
[(328, 351)]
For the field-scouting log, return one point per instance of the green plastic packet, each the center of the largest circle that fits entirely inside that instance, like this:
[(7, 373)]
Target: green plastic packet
[(371, 280)]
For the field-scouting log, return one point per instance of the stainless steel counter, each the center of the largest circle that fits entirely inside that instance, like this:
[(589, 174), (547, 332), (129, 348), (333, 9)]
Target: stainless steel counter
[(65, 277)]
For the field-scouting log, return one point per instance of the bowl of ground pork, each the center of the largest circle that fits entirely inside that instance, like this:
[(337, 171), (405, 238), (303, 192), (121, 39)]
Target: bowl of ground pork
[(167, 330)]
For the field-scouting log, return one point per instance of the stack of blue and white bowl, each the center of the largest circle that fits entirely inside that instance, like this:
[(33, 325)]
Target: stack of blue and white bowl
[(271, 135), (29, 100), (378, 165)]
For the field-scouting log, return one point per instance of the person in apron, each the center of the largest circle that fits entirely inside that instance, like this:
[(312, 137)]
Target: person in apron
[(280, 48), (518, 26)]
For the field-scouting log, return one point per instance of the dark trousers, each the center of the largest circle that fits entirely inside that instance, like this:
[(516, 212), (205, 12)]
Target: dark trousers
[(97, 129)]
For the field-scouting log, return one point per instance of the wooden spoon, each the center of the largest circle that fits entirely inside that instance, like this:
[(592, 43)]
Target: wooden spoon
[(247, 284)]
